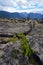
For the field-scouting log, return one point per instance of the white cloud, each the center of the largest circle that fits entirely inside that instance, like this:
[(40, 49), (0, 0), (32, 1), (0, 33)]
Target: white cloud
[(10, 9), (21, 5)]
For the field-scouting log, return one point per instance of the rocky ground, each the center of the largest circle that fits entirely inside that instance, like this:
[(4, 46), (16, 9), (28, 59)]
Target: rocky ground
[(9, 52)]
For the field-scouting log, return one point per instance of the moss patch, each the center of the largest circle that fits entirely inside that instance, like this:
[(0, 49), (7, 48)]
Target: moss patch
[(25, 47), (13, 40)]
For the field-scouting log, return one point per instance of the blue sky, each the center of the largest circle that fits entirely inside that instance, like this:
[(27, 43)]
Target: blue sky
[(35, 6)]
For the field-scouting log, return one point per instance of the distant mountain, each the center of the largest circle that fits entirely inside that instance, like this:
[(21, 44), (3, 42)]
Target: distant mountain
[(34, 15), (4, 14)]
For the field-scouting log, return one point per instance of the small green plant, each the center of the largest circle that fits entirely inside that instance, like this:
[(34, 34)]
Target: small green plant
[(26, 50), (25, 47)]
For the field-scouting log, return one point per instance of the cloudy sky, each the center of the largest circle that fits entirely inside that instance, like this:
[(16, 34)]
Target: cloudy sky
[(35, 6)]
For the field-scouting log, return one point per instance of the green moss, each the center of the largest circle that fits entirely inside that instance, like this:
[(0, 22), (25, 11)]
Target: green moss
[(25, 47), (13, 40), (26, 50)]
